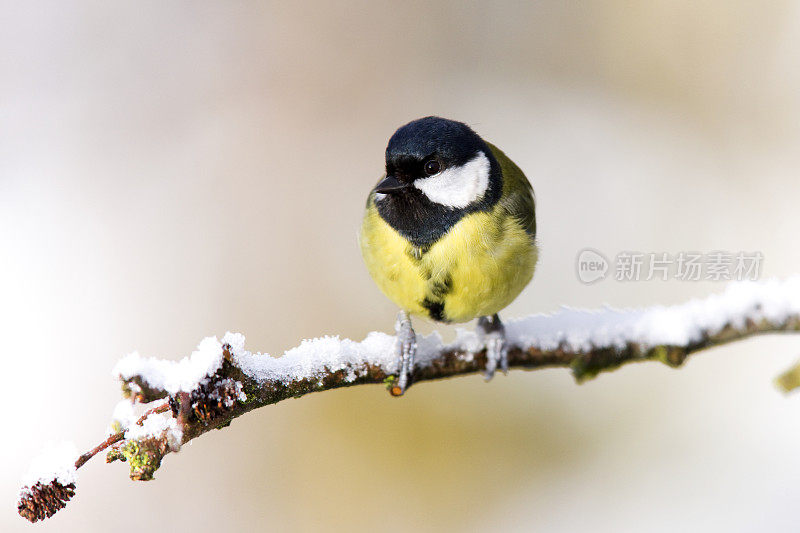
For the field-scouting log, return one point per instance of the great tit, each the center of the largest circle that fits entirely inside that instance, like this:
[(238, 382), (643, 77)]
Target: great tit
[(449, 234)]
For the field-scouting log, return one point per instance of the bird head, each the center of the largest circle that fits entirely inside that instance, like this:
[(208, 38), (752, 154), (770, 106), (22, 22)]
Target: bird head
[(438, 160)]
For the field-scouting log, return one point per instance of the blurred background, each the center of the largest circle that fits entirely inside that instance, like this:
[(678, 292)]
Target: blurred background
[(170, 171)]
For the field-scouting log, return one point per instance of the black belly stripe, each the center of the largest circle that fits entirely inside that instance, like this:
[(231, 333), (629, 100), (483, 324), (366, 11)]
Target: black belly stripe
[(443, 287), (435, 309), (434, 303)]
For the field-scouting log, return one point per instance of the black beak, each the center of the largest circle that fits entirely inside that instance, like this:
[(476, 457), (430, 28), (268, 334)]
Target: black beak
[(391, 184)]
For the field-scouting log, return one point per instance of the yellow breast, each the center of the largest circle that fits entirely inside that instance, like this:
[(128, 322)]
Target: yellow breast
[(476, 269)]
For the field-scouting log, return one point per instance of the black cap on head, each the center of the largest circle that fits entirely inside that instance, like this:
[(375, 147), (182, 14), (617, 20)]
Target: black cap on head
[(453, 143)]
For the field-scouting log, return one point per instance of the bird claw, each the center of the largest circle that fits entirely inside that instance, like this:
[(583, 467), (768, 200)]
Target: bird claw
[(407, 348), (493, 334)]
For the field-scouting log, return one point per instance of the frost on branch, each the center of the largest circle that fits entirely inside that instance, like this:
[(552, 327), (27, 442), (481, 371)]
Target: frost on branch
[(221, 380)]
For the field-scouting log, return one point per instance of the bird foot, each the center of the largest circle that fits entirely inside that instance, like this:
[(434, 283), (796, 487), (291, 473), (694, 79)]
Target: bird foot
[(493, 335), (407, 349)]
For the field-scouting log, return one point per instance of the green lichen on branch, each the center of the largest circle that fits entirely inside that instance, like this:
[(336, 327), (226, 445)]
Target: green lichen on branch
[(143, 455), (789, 380)]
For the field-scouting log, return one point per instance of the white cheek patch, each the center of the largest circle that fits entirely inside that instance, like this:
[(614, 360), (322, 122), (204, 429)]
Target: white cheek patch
[(458, 186)]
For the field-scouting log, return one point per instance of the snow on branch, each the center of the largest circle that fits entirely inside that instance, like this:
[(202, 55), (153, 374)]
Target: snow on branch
[(221, 380)]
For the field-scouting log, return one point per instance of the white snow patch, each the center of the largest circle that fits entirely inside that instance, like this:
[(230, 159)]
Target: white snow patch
[(579, 329), (56, 462), (127, 413), (153, 426), (174, 376), (316, 357), (123, 416)]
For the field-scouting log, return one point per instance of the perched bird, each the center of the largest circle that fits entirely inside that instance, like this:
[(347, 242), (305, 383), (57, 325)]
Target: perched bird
[(449, 234)]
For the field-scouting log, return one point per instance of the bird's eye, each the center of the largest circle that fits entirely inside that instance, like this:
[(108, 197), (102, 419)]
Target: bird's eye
[(432, 167)]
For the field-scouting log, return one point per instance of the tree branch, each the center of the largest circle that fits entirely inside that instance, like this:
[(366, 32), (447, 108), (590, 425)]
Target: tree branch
[(222, 381)]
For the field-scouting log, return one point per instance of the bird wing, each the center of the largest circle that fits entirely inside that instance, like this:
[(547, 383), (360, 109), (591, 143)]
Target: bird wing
[(517, 200)]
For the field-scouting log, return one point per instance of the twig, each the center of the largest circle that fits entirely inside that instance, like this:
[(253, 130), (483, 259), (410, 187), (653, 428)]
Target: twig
[(117, 437), (44, 499)]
